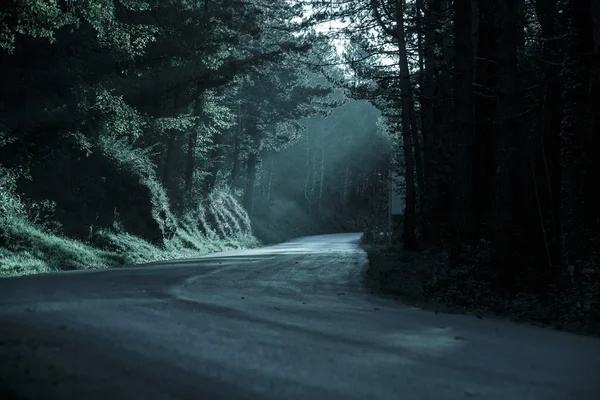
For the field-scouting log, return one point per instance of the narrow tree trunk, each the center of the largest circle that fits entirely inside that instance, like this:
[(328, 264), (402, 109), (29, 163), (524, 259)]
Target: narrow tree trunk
[(215, 159), (463, 217), (235, 168), (238, 135), (485, 72), (169, 156), (270, 184), (427, 113), (409, 237), (251, 166), (576, 128), (427, 96), (174, 147), (310, 180), (191, 148), (322, 175), (417, 149), (345, 184), (549, 132)]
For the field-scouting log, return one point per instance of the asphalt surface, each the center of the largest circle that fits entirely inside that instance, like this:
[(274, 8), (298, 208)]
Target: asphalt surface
[(290, 321)]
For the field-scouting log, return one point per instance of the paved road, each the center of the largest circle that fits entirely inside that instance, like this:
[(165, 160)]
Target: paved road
[(284, 322)]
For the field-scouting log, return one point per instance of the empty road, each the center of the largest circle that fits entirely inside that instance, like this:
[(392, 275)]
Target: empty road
[(290, 321)]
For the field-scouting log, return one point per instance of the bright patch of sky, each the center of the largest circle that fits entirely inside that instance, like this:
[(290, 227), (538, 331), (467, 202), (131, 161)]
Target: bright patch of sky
[(334, 27)]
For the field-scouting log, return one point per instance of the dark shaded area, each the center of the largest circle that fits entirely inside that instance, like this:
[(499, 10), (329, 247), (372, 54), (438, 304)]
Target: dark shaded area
[(88, 189), (498, 138), (423, 279)]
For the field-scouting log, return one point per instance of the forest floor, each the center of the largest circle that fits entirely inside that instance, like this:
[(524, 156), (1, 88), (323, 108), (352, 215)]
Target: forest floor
[(423, 279)]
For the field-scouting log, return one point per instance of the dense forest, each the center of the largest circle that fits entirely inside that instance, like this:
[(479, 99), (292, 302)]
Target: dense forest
[(138, 130)]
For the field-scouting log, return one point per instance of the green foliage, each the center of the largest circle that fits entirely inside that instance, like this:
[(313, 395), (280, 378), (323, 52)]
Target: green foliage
[(11, 205), (117, 117), (181, 123), (43, 18), (135, 161), (35, 18), (30, 249), (120, 80)]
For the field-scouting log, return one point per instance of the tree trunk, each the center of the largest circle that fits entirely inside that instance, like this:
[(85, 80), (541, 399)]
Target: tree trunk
[(409, 236), (173, 147), (251, 165), (427, 90), (485, 71), (463, 218), (169, 156), (427, 114), (508, 141), (215, 160), (191, 150), (548, 149), (576, 129), (322, 174), (235, 168), (417, 149), (238, 137)]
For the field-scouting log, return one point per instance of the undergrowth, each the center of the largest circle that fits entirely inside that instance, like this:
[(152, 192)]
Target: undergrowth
[(426, 279), (30, 244)]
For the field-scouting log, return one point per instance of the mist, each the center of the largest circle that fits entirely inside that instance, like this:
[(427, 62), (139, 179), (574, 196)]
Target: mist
[(331, 179)]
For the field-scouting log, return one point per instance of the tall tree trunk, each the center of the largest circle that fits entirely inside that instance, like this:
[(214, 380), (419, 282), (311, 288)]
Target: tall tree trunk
[(409, 236), (576, 129), (408, 121), (251, 168), (463, 219), (427, 88), (270, 183), (507, 144), (191, 147), (237, 138), (169, 156), (485, 71), (417, 149), (215, 159), (311, 175), (427, 114), (322, 168), (548, 149), (251, 165), (173, 147), (440, 207), (235, 168)]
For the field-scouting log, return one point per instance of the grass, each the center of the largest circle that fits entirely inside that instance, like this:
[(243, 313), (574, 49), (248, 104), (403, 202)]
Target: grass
[(28, 248)]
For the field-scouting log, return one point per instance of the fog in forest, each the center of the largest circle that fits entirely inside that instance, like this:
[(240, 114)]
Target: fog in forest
[(331, 179)]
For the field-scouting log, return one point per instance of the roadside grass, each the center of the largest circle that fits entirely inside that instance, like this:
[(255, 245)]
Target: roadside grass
[(28, 248), (31, 244), (424, 279)]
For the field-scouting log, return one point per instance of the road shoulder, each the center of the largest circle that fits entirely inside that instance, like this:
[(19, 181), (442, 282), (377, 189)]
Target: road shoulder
[(423, 279)]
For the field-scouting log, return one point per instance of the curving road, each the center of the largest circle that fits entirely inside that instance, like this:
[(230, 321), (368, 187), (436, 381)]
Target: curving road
[(284, 322)]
